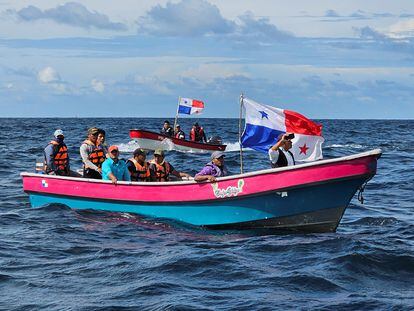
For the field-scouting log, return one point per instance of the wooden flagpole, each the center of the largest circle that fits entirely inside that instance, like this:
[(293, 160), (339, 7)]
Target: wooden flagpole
[(176, 114), (240, 133)]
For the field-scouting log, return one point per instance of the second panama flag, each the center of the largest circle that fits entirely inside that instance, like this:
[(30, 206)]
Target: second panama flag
[(264, 124), (190, 106)]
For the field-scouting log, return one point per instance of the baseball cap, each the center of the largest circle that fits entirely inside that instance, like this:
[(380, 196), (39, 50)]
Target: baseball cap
[(58, 132), (93, 131), (217, 154), (112, 148), (159, 152), (139, 151), (177, 125)]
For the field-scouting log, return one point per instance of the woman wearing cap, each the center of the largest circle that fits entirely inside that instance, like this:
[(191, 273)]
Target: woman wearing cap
[(92, 155), (213, 169), (56, 156)]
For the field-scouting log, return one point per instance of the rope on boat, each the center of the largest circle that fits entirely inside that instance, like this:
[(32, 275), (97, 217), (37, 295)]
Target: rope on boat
[(361, 191)]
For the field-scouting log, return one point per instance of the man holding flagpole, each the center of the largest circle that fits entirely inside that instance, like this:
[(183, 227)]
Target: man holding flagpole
[(280, 154), (267, 127)]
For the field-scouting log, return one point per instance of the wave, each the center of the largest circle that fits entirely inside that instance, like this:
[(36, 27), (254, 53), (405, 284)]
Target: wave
[(375, 221), (352, 146)]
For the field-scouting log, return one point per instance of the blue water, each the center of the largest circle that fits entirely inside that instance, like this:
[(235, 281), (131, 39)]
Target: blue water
[(55, 258)]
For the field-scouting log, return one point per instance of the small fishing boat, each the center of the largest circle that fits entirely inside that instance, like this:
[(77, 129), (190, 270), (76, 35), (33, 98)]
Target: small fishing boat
[(152, 140), (308, 197)]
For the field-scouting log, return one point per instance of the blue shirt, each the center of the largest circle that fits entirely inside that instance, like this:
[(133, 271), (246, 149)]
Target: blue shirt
[(119, 169)]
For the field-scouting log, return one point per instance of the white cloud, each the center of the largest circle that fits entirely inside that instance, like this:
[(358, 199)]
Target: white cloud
[(402, 29), (97, 86), (185, 18), (70, 13), (48, 75), (9, 86)]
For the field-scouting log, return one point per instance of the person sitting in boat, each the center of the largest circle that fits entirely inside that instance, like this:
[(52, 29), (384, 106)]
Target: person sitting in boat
[(179, 133), (56, 156), (101, 141), (167, 129), (113, 168), (92, 155), (279, 153), (197, 134), (213, 169), (161, 170), (138, 167)]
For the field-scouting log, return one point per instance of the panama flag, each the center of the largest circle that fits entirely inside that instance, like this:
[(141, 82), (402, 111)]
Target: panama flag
[(190, 106), (265, 123)]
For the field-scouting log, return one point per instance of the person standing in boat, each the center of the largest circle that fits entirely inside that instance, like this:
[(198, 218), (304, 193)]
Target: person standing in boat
[(197, 134), (161, 170), (56, 156), (279, 153), (92, 155), (138, 167), (213, 169), (167, 129), (113, 168), (178, 132)]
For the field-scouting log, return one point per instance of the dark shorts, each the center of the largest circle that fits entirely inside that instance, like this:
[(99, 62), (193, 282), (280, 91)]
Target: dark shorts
[(89, 173)]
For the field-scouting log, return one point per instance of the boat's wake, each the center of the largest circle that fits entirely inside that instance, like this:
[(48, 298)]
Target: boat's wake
[(169, 145)]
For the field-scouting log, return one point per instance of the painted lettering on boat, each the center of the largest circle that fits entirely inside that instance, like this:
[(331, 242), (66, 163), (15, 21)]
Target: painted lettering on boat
[(44, 183), (230, 191)]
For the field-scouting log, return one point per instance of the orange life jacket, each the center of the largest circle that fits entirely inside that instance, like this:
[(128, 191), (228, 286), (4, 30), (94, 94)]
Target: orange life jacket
[(162, 171), (97, 154), (60, 156), (142, 172), (197, 135)]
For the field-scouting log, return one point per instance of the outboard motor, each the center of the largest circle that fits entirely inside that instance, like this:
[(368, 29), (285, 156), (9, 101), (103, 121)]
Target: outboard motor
[(215, 140)]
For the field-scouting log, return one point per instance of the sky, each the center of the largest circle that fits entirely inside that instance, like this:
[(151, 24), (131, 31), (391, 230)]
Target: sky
[(100, 58)]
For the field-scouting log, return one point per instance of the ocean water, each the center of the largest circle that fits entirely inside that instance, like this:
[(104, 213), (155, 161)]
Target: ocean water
[(54, 258)]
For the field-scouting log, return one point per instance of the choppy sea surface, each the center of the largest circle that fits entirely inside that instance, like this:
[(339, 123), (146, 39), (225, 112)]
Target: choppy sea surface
[(55, 258)]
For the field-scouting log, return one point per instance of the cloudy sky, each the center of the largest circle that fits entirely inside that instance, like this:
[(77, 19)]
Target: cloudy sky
[(322, 58)]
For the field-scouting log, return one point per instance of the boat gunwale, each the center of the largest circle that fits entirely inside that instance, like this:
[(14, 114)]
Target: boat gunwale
[(208, 201), (374, 152)]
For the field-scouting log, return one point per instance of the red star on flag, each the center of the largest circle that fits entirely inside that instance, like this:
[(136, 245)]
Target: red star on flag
[(303, 149)]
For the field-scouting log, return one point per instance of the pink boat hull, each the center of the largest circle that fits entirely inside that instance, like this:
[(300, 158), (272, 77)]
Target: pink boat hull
[(276, 192)]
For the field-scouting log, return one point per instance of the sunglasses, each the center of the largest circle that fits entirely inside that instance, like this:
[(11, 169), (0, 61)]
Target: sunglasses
[(114, 151)]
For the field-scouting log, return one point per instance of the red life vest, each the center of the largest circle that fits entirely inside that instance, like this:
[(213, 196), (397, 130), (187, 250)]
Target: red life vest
[(162, 171), (96, 154), (60, 156), (142, 172), (197, 134), (180, 135)]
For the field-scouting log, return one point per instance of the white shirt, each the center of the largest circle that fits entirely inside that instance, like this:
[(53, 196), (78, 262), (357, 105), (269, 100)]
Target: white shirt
[(274, 156)]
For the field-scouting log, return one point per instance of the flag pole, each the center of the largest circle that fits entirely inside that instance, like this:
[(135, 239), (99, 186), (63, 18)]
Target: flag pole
[(240, 133), (176, 114)]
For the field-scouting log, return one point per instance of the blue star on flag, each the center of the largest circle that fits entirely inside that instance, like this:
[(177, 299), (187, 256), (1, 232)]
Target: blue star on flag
[(264, 114)]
